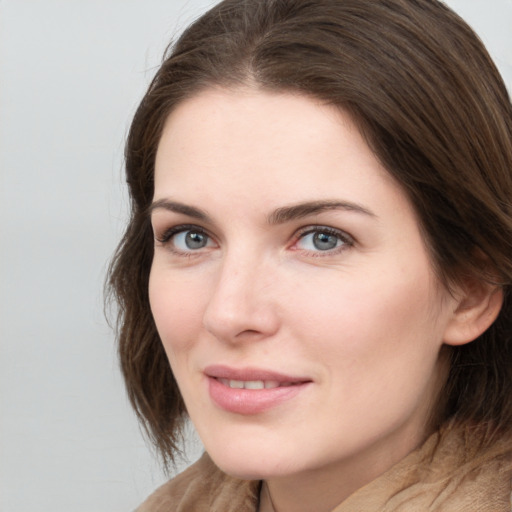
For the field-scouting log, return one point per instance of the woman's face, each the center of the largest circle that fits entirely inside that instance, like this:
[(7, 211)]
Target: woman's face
[(292, 289)]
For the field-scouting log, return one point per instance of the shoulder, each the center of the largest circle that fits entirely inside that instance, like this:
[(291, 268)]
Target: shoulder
[(453, 471), (203, 487)]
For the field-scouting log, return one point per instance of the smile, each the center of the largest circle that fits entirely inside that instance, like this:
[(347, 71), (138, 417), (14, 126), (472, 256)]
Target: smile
[(254, 384), (250, 391)]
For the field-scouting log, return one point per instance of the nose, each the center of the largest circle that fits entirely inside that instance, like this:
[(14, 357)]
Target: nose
[(243, 304)]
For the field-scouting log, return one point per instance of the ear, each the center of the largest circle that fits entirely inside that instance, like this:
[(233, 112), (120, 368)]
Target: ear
[(477, 306)]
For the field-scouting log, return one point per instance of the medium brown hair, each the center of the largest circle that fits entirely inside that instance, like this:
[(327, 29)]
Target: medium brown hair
[(433, 108)]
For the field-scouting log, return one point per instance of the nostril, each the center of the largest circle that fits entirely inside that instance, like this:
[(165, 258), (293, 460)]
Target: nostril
[(244, 326), (249, 332)]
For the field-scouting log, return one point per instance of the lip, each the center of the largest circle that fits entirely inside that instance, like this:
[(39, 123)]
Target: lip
[(251, 401)]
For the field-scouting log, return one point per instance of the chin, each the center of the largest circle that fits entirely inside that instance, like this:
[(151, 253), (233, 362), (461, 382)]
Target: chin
[(249, 469), (251, 461)]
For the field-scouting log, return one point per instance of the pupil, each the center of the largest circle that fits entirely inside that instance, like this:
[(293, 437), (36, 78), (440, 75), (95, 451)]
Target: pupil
[(195, 240), (324, 241)]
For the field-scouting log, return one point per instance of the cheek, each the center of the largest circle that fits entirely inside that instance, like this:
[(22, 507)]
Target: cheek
[(384, 314), (177, 309), (377, 341)]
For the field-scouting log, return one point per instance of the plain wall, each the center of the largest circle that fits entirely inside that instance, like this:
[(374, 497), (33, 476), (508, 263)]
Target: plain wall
[(71, 74)]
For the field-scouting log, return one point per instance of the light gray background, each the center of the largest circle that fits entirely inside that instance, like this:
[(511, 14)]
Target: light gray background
[(71, 74)]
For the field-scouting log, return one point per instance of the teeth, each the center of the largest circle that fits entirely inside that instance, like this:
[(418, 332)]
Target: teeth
[(250, 384), (254, 384)]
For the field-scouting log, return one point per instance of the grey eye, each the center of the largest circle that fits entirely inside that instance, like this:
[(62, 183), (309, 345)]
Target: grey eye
[(325, 241), (195, 240), (321, 241), (190, 240)]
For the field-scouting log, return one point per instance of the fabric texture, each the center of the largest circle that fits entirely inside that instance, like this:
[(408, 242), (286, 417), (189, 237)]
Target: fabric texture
[(204, 487), (449, 473)]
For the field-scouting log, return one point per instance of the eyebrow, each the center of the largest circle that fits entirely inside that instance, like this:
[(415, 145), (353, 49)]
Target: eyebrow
[(173, 206), (278, 216), (300, 210)]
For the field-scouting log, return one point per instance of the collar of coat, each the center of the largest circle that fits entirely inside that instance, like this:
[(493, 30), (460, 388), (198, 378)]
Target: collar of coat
[(453, 471)]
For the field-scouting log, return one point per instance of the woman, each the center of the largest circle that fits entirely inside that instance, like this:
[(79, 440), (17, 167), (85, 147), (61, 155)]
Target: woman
[(318, 262)]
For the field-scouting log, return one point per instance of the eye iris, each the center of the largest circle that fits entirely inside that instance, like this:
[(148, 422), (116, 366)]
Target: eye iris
[(324, 241), (195, 240)]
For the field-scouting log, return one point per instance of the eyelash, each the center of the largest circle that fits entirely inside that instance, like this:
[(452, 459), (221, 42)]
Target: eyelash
[(165, 238), (346, 240)]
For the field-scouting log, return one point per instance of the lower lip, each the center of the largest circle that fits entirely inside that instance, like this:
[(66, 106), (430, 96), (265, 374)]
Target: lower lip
[(251, 401)]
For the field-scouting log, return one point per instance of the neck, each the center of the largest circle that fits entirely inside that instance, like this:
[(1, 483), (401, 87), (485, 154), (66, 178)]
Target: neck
[(324, 489)]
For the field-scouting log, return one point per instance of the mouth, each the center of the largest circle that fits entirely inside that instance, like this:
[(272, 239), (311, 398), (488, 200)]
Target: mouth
[(255, 384), (250, 390)]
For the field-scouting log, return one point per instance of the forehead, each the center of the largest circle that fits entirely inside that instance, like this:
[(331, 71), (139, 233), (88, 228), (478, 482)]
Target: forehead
[(263, 147), (247, 125), (251, 122)]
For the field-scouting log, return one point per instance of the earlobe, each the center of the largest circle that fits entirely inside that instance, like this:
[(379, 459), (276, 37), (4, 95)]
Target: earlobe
[(475, 312)]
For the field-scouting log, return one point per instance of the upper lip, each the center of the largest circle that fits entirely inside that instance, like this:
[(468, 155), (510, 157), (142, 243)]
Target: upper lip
[(250, 374)]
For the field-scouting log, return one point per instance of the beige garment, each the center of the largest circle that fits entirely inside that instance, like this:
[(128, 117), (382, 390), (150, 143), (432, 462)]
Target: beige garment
[(204, 488), (447, 474)]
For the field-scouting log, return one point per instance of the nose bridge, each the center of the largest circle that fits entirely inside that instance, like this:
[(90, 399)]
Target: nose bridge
[(241, 302)]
